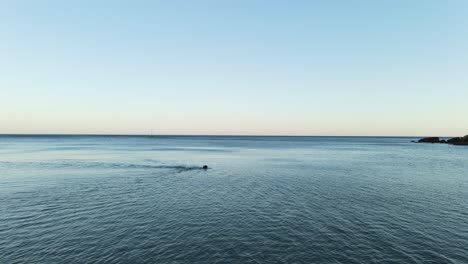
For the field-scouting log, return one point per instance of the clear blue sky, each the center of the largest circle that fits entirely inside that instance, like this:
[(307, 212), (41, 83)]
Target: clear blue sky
[(387, 67)]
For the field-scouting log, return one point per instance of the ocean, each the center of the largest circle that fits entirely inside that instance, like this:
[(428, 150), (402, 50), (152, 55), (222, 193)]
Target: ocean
[(140, 199)]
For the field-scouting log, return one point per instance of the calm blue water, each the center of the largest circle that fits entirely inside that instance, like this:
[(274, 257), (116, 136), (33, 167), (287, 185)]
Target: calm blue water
[(86, 199)]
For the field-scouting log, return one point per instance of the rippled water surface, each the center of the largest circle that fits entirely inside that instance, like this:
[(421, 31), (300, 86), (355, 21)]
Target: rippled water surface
[(103, 199)]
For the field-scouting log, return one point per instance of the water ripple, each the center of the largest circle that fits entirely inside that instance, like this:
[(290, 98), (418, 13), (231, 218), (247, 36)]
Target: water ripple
[(302, 202)]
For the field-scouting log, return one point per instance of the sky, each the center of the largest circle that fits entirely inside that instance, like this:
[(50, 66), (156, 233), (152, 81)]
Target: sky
[(244, 67)]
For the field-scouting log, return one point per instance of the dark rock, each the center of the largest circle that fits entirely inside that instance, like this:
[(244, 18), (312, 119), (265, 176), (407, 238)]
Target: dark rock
[(205, 167), (429, 140), (453, 140), (458, 140)]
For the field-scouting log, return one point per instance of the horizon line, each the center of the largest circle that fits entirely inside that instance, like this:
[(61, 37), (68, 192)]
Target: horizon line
[(206, 135)]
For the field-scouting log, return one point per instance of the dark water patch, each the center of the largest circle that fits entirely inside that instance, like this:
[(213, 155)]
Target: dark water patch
[(91, 165), (176, 149)]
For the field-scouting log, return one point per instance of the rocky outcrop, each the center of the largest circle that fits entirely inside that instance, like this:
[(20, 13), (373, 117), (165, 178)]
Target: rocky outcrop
[(429, 140), (458, 140), (452, 141)]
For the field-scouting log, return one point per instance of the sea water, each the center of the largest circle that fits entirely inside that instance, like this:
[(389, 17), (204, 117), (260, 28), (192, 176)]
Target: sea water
[(140, 199)]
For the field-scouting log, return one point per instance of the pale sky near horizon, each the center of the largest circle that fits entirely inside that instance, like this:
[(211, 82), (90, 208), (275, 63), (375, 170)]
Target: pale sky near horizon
[(234, 67)]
